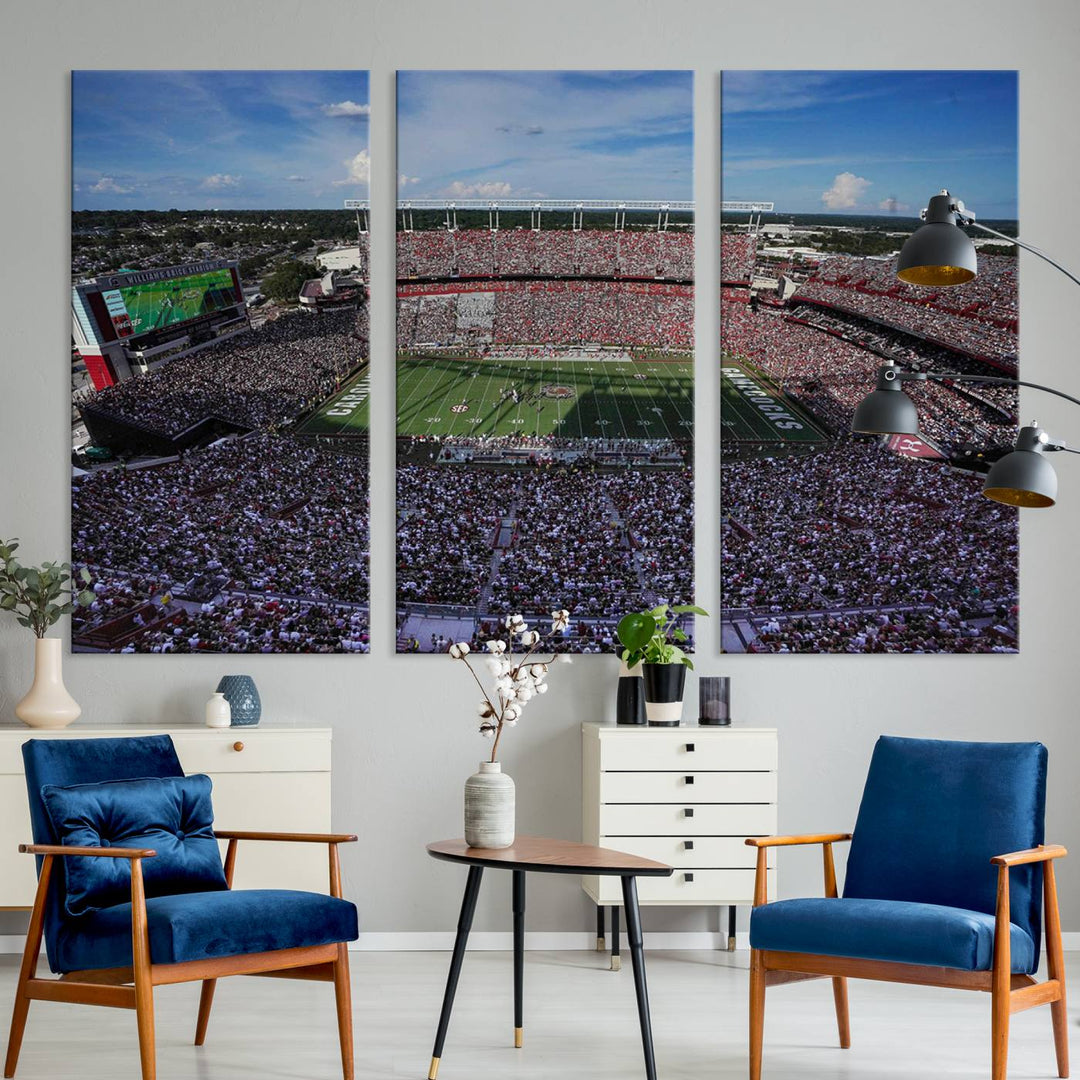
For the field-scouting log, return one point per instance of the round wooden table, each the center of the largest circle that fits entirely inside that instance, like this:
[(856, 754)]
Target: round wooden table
[(541, 855)]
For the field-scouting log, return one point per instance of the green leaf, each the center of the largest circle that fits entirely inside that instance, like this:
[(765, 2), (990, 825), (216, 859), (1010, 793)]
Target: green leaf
[(635, 630), (678, 635), (689, 609), (86, 598), (659, 611), (85, 575), (688, 662), (7, 603), (23, 620)]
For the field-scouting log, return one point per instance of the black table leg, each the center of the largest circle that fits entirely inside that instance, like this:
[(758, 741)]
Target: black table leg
[(600, 928), (637, 958), (731, 927), (616, 958), (468, 908), (519, 954)]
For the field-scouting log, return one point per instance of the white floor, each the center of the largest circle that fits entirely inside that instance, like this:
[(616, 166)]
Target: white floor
[(580, 1021)]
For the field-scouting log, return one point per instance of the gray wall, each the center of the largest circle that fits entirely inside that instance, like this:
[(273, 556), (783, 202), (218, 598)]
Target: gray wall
[(404, 726)]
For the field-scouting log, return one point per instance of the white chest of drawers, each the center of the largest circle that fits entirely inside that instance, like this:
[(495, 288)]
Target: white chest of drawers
[(273, 779), (686, 796)]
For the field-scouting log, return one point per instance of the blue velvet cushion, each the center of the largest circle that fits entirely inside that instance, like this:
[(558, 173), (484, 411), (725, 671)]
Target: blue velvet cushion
[(933, 815), (171, 815), (198, 926), (901, 931)]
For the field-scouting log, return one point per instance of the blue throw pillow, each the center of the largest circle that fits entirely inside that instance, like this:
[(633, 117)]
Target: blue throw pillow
[(172, 815)]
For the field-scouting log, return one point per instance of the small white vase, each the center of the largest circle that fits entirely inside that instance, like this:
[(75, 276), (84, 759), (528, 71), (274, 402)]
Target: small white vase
[(218, 711), (489, 808), (48, 704)]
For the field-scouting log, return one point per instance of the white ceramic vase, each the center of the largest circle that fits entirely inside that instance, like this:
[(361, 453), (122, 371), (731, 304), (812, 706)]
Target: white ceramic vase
[(218, 711), (48, 704), (489, 808)]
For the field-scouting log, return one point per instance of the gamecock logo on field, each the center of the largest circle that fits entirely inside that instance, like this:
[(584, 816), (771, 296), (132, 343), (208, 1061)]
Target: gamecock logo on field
[(459, 408), (559, 392)]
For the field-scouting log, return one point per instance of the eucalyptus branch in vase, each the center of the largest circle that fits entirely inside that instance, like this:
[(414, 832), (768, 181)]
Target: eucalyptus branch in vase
[(518, 678)]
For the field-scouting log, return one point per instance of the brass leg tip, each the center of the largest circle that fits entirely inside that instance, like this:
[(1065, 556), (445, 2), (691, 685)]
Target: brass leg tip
[(731, 944), (433, 1072), (600, 946), (616, 963), (517, 1038)]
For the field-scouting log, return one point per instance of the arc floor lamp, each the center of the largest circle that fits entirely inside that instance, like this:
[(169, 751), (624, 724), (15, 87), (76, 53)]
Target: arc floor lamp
[(938, 254)]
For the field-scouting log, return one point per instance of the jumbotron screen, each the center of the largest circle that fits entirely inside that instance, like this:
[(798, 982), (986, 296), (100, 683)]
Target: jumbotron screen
[(144, 308)]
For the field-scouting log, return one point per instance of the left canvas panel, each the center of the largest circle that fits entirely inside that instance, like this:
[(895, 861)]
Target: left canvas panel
[(219, 364)]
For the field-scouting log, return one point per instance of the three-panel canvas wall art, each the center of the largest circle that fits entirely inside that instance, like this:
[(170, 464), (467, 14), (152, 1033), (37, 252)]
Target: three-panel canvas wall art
[(545, 249)]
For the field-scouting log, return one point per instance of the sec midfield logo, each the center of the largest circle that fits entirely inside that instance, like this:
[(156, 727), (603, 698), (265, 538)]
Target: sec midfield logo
[(560, 393), (459, 408)]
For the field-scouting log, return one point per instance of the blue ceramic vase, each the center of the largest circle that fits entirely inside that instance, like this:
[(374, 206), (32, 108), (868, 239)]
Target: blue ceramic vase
[(243, 699)]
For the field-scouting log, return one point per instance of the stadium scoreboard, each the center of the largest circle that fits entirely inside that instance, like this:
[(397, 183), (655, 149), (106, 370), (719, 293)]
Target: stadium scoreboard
[(137, 313)]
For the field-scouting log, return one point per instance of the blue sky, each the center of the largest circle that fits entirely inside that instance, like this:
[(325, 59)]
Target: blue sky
[(870, 142), (218, 139), (545, 134)]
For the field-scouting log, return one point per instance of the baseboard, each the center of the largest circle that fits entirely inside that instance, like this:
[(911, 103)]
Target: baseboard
[(539, 940)]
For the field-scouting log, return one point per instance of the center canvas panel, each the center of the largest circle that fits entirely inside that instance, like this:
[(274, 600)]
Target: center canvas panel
[(836, 542), (219, 368), (545, 304)]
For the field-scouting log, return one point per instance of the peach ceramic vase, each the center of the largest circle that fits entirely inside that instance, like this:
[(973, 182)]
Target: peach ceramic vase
[(48, 704)]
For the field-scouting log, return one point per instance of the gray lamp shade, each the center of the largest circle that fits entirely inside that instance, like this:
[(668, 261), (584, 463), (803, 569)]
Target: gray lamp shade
[(938, 253), (886, 412), (1022, 478)]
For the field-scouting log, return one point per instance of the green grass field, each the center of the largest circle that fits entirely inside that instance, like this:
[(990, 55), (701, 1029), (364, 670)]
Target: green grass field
[(573, 398), (162, 303), (752, 409), (346, 413)]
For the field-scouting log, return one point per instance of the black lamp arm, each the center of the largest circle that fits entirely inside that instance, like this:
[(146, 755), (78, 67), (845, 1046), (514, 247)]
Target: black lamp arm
[(923, 376), (972, 223)]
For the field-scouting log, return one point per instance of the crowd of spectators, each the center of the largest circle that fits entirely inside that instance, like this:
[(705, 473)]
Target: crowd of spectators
[(604, 253), (738, 256), (979, 317), (267, 526), (265, 376), (563, 313), (857, 526)]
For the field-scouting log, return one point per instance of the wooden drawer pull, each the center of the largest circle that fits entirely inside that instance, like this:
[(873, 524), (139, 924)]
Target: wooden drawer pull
[(238, 746)]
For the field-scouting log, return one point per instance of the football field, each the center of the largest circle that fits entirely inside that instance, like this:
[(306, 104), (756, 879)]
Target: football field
[(346, 413), (569, 397), (162, 303), (752, 410)]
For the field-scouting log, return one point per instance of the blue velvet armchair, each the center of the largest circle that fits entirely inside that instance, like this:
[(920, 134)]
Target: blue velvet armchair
[(945, 876), (132, 892)]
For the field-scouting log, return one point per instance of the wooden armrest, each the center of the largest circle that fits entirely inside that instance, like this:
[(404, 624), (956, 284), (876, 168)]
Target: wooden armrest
[(101, 852), (792, 841), (299, 838), (1042, 853)]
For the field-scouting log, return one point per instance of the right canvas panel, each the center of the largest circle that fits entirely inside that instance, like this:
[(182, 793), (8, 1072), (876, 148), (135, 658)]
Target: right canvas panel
[(841, 543)]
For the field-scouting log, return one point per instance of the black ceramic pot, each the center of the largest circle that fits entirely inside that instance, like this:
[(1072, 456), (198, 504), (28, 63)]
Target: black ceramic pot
[(664, 685), (630, 700)]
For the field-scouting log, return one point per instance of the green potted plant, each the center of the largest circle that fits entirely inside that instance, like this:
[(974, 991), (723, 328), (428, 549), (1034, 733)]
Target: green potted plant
[(38, 597), (652, 639)]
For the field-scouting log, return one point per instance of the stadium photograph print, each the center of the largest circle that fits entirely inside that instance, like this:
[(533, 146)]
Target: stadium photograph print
[(834, 542), (545, 306), (219, 368)]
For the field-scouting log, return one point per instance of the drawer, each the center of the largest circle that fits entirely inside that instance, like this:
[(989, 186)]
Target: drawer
[(689, 749), (669, 819), (262, 751), (709, 888), (707, 852), (687, 787)]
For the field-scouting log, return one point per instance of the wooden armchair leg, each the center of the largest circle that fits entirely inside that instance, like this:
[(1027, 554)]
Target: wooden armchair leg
[(757, 1011), (144, 987), (343, 993), (28, 970), (843, 1025), (1055, 967), (206, 1000)]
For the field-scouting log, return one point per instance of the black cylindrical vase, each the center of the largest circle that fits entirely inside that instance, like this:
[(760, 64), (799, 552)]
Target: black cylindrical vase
[(630, 700), (664, 685)]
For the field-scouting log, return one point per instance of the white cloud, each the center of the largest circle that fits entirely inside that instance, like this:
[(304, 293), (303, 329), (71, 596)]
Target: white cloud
[(108, 186), (893, 205), (294, 179), (482, 189), (220, 180), (346, 108), (359, 170), (845, 192), (404, 181)]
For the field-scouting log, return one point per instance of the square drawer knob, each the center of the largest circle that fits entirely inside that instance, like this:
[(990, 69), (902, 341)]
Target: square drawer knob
[(688, 812), (688, 779), (689, 747), (688, 878), (688, 845)]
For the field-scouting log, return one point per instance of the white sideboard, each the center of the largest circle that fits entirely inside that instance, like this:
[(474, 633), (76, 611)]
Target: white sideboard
[(273, 779), (686, 796)]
